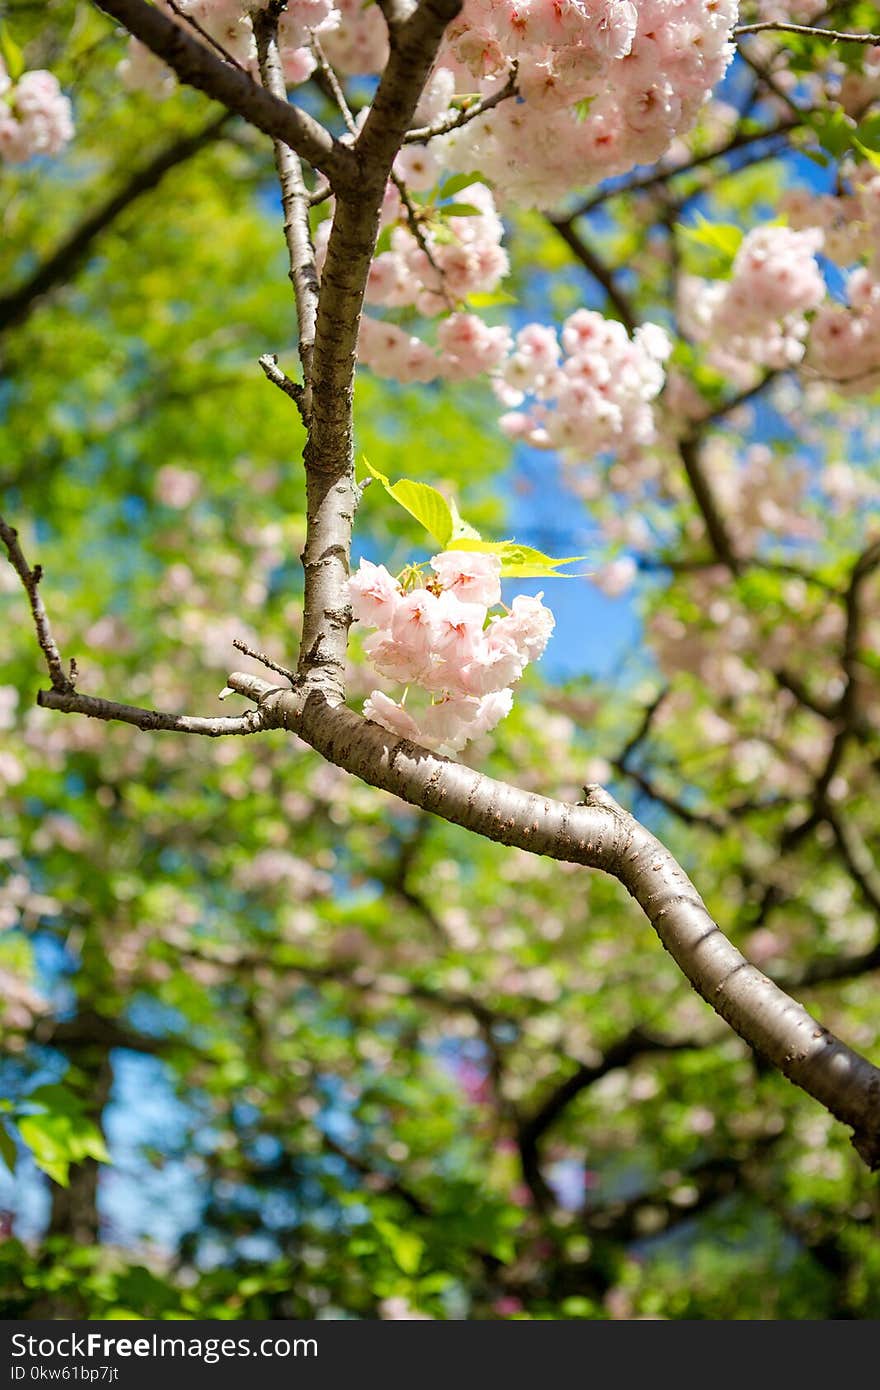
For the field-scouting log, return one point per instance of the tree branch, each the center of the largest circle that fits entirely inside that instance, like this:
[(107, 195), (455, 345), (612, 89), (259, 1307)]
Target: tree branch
[(646, 182), (72, 702), (601, 835), (716, 527), (295, 203), (331, 495), (466, 115), (198, 67), (62, 683), (636, 1043), (833, 35), (598, 269), (65, 697)]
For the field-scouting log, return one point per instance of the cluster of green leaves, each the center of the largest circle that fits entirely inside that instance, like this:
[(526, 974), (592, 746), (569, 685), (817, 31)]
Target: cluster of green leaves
[(54, 1125)]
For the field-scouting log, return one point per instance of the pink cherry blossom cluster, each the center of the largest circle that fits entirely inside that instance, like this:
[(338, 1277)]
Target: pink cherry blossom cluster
[(454, 256), (776, 312), (844, 340), (603, 86), (850, 220), (35, 116), (844, 344), (466, 348), (758, 316), (451, 258), (436, 637), (592, 393)]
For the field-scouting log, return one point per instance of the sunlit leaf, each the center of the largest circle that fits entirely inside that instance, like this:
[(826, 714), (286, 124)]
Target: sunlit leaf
[(425, 503), (520, 561)]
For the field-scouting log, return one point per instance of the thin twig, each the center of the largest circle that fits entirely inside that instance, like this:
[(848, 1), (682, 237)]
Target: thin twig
[(773, 86), (716, 526), (598, 269), (334, 86), (193, 23), (263, 659), (465, 116), (832, 35), (30, 579), (648, 181), (269, 364), (295, 200), (418, 233), (65, 697)]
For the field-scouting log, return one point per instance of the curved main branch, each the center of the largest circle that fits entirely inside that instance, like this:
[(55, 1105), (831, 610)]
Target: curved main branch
[(331, 493), (600, 834)]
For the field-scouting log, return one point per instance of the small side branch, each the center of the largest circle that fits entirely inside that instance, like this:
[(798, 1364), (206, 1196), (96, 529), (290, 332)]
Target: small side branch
[(637, 1043), (30, 578), (466, 115), (596, 267), (295, 201), (65, 697), (202, 32), (279, 378), (832, 35), (72, 702), (263, 659), (716, 528)]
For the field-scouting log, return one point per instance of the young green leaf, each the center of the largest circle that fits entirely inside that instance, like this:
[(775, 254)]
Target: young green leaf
[(11, 54), (8, 1150), (461, 529), (488, 299), (425, 503), (457, 183), (872, 156), (520, 561), (405, 1246), (715, 236)]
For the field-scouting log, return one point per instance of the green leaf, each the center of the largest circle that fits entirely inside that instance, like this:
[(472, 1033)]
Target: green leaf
[(715, 236), (47, 1149), (8, 1150), (457, 183), (11, 54), (868, 131), (872, 156), (461, 529), (834, 130), (62, 1133), (461, 210), (384, 242), (489, 299), (406, 1247), (425, 503), (520, 561), (57, 1099)]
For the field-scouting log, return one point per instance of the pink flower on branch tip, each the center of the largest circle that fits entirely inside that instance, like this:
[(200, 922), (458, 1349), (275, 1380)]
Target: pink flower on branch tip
[(439, 642), (471, 576)]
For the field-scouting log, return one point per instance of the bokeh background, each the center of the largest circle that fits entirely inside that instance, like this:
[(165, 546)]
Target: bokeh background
[(347, 1060)]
